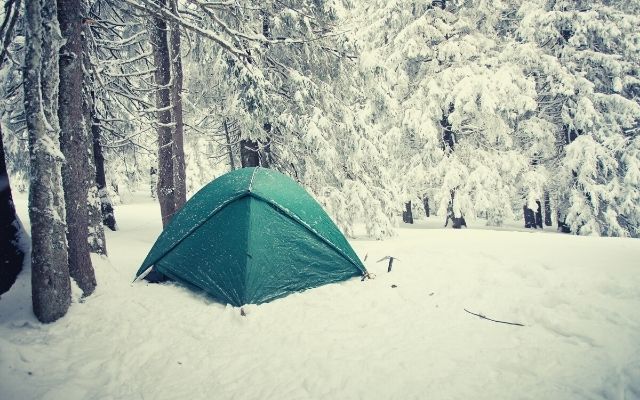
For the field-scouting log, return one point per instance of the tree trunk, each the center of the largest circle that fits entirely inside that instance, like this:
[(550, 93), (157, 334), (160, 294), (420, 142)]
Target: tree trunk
[(74, 144), (529, 217), (448, 137), (547, 209), (153, 181), (11, 254), (51, 286), (179, 173), (439, 3), (227, 137), (407, 214), (425, 202), (562, 223), (456, 222), (97, 240), (162, 61), (538, 217), (252, 155), (264, 153), (106, 206), (249, 156)]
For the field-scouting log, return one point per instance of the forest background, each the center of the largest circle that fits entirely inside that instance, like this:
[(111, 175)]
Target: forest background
[(467, 109)]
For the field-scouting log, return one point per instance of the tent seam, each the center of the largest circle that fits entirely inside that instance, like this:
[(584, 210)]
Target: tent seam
[(197, 226), (252, 176), (310, 229), (248, 243)]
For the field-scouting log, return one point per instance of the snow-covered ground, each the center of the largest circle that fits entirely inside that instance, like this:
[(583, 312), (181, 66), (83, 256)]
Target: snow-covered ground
[(402, 335)]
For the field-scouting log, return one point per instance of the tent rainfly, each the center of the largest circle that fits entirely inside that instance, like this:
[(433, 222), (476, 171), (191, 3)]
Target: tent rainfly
[(251, 236)]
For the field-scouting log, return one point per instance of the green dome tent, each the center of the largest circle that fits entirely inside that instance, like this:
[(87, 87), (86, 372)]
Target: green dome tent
[(251, 236)]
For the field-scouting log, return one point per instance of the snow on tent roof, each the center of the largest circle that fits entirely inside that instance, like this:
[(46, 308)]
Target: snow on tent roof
[(250, 236)]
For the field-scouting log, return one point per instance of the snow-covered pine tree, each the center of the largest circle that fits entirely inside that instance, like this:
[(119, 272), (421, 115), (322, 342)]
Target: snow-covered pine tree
[(121, 91), (457, 105), (283, 80), (598, 108)]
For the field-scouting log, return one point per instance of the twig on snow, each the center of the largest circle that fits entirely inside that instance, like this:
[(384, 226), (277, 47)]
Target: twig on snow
[(390, 258), (494, 320)]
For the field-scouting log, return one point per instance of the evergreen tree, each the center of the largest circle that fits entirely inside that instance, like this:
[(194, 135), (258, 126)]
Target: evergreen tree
[(597, 108)]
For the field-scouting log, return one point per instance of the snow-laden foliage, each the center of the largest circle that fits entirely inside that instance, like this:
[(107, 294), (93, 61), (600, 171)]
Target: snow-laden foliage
[(481, 104), (591, 54), (477, 107), (297, 96), (437, 71)]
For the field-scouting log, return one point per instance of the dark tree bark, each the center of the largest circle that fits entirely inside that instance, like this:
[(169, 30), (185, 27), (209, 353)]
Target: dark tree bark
[(249, 153), (266, 26), (227, 138), (456, 222), (106, 206), (253, 154), (74, 143), (11, 254), (571, 134), (97, 239), (439, 3), (162, 61), (538, 217), (179, 173), (562, 224), (529, 217), (547, 209), (425, 202), (153, 180), (448, 137), (407, 214), (50, 283), (264, 152), (533, 219)]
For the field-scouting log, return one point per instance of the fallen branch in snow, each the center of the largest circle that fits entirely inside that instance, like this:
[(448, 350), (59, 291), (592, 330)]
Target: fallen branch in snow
[(494, 320)]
